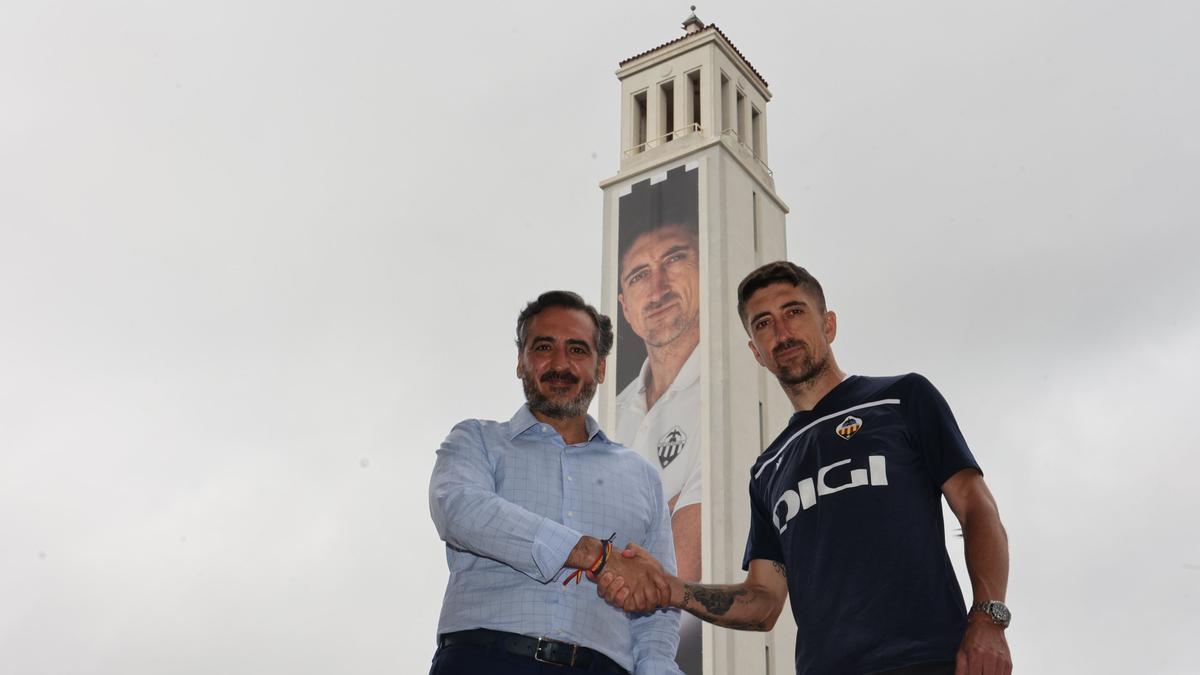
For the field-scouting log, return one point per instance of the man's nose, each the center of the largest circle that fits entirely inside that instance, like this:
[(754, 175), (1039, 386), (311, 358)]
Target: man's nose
[(658, 282), (558, 359), (783, 332)]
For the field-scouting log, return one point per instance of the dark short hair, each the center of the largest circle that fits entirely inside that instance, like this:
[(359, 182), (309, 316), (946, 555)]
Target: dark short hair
[(778, 272), (569, 300), (650, 206)]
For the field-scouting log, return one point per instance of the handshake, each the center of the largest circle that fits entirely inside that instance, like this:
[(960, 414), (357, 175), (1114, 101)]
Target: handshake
[(635, 582)]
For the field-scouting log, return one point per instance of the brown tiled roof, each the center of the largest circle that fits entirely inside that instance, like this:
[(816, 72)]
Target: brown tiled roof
[(711, 26)]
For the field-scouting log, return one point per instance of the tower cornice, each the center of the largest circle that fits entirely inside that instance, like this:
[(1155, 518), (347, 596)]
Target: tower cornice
[(684, 43)]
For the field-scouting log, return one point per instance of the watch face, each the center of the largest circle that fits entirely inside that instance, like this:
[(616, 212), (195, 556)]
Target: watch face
[(1000, 613)]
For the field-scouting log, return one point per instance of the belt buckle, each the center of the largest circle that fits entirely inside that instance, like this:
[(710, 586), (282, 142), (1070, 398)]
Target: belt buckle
[(537, 654)]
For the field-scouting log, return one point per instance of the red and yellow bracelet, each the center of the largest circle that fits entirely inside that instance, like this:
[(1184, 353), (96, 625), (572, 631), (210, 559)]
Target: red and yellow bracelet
[(596, 567)]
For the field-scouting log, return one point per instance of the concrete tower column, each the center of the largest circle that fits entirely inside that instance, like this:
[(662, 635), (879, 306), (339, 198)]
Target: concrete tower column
[(707, 193)]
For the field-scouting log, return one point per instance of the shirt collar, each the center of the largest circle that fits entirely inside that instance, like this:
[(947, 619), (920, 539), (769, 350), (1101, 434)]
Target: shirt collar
[(523, 420), (686, 377), (690, 372)]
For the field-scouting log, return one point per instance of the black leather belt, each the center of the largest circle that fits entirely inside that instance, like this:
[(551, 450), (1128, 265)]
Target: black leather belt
[(539, 649)]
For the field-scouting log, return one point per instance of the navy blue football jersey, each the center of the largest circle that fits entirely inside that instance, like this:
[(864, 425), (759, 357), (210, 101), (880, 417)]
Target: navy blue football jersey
[(848, 498)]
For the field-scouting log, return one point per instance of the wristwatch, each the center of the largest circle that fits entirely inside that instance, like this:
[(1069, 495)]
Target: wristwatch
[(995, 609)]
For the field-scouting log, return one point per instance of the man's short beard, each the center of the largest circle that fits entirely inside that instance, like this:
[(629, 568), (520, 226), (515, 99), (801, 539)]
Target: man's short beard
[(665, 335), (810, 369), (540, 403), (671, 332)]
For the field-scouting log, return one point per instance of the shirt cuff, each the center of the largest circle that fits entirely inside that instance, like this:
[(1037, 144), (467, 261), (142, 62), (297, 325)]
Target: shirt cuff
[(657, 665), (552, 543)]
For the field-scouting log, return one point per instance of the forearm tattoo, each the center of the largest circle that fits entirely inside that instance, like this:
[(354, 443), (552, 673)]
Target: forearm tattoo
[(715, 601), (779, 568)]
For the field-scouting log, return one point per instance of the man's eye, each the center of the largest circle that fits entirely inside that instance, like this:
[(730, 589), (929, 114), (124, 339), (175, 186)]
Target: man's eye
[(633, 279)]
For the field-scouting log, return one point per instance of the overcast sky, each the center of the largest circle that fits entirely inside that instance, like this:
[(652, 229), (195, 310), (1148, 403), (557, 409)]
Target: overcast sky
[(257, 258)]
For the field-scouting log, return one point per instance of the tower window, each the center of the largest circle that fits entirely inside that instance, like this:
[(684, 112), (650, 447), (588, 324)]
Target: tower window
[(667, 91), (726, 113), (754, 217), (756, 140), (693, 82), (741, 121), (639, 121)]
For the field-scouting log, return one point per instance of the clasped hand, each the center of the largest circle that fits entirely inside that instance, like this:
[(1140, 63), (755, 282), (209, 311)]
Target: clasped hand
[(634, 581), (984, 650)]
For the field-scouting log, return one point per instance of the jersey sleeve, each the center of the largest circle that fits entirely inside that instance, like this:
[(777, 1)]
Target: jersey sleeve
[(937, 435), (763, 541), (690, 492)]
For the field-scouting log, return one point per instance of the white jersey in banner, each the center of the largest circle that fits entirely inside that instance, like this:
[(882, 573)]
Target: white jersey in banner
[(669, 436), (669, 433)]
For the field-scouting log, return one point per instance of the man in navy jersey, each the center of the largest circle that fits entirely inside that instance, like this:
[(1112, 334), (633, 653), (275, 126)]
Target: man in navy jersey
[(846, 513)]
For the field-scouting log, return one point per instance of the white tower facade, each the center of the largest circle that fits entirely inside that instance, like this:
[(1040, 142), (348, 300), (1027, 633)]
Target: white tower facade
[(683, 388)]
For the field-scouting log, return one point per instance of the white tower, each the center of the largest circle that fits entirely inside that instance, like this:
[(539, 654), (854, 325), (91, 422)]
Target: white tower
[(694, 129)]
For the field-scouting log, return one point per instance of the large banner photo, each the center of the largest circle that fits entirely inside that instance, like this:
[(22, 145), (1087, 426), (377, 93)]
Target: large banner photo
[(657, 362)]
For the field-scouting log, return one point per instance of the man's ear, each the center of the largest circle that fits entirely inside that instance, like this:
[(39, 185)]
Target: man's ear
[(520, 366), (621, 300), (830, 326), (600, 370), (754, 350)]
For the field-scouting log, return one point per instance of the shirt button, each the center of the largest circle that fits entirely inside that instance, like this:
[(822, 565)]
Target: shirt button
[(545, 428), (569, 478), (571, 513)]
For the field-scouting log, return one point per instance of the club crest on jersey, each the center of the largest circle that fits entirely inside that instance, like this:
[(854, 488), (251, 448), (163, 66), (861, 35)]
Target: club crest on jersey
[(670, 445), (849, 427)]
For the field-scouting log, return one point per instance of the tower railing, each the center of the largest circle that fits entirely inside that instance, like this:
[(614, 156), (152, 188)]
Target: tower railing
[(745, 147), (694, 127)]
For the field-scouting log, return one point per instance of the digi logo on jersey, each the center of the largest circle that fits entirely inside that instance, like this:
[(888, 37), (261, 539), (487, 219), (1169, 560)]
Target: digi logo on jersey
[(808, 490), (670, 445), (849, 427)]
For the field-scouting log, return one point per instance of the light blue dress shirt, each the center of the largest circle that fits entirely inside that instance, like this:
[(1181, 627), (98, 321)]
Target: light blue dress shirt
[(511, 500)]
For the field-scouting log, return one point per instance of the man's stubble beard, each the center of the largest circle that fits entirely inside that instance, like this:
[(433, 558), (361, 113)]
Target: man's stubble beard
[(664, 336), (810, 369), (574, 407), (677, 328)]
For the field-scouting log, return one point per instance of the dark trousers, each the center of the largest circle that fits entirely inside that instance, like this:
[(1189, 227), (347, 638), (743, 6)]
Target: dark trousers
[(492, 660), (935, 668)]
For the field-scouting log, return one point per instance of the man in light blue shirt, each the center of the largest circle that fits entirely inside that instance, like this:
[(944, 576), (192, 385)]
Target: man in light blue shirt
[(524, 503)]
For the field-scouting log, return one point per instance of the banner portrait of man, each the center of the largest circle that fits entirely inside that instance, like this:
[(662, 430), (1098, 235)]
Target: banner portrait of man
[(658, 367)]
